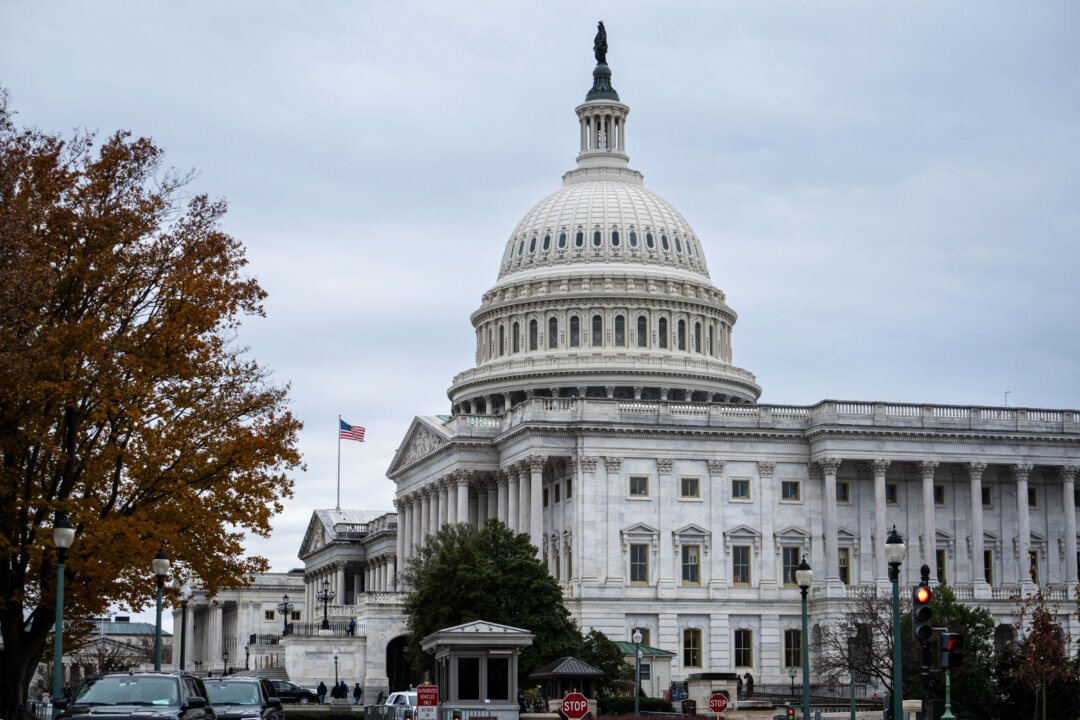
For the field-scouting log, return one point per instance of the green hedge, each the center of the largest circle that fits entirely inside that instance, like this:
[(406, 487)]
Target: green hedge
[(315, 712), (624, 705)]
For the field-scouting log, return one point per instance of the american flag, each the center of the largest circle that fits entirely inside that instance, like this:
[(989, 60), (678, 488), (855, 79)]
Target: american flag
[(351, 432)]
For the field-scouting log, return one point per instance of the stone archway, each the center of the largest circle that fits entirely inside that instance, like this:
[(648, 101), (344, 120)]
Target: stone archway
[(399, 671)]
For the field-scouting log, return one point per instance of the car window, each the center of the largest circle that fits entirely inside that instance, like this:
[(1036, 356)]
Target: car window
[(225, 692), (129, 690)]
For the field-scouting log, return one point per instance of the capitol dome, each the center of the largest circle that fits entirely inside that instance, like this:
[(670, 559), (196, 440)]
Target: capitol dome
[(603, 291)]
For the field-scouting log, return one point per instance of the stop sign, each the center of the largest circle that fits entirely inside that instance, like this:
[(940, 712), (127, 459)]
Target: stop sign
[(718, 703), (574, 706)]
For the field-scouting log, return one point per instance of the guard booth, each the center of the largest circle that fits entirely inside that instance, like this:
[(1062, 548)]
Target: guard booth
[(567, 674), (476, 669)]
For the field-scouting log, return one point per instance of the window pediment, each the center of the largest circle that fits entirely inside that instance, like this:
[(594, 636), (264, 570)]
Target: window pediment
[(691, 534), (742, 535)]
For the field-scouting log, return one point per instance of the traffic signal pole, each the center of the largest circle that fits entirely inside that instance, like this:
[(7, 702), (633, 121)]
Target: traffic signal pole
[(948, 699), (921, 625)]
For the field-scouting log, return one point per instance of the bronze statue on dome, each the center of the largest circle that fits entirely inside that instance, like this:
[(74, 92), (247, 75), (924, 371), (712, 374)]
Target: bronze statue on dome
[(600, 44)]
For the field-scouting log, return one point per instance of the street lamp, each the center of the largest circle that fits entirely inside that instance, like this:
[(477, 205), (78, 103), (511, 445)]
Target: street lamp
[(895, 550), (161, 569), (224, 663), (637, 668), (185, 595), (851, 676), (325, 596), (803, 576), (336, 680), (285, 607), (792, 672), (63, 536)]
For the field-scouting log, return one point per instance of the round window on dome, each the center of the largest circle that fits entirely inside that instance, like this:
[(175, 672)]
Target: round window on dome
[(633, 239), (579, 240), (663, 242), (596, 239), (678, 245), (649, 240), (547, 242), (614, 238), (532, 245), (562, 240)]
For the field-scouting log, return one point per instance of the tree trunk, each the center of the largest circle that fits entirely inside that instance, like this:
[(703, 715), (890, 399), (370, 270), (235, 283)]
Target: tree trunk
[(24, 643)]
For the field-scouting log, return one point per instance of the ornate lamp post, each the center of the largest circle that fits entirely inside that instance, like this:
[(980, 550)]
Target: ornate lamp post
[(792, 672), (803, 576), (161, 569), (895, 550), (63, 536), (224, 663), (285, 607), (325, 596), (336, 679), (185, 595), (637, 669)]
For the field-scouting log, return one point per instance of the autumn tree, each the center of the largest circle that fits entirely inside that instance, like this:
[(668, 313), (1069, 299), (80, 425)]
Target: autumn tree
[(1036, 673), (125, 400), (860, 641)]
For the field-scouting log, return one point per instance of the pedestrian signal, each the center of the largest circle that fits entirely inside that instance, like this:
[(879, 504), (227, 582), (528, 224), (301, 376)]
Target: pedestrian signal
[(922, 615), (952, 650)]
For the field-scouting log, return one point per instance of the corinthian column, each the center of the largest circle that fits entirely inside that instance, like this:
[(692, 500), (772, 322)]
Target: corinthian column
[(512, 498), (502, 483), (536, 507), (461, 477), (929, 528), (881, 567), (1021, 471), (975, 473), (830, 466), (1068, 477), (425, 512)]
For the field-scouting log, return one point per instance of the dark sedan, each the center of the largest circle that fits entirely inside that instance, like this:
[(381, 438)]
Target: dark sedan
[(244, 698), (293, 693), (147, 696)]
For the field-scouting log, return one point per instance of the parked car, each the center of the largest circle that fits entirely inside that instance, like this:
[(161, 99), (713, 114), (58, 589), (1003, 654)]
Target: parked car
[(289, 692), (143, 695), (244, 698), (402, 699)]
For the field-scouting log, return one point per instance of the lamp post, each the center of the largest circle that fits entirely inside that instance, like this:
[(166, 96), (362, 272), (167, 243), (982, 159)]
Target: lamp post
[(895, 550), (792, 672), (803, 576), (285, 607), (185, 595), (637, 669), (63, 536), (325, 596), (224, 663), (161, 569), (851, 676), (336, 680)]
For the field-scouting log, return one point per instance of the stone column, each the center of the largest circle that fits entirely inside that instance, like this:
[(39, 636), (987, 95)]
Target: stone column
[(417, 522), (492, 499), (929, 527), (524, 493), (461, 477), (502, 500), (768, 502), (405, 527), (215, 636), (536, 506), (975, 473), (451, 499), (399, 505), (435, 492), (1068, 485), (829, 467), (340, 597), (425, 512), (444, 503), (512, 491), (481, 506), (1023, 539), (880, 467)]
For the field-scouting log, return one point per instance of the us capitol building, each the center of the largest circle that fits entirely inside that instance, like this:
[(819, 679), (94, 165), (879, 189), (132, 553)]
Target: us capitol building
[(606, 419)]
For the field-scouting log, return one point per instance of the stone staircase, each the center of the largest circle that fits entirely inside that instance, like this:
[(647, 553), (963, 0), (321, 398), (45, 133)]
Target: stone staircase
[(270, 673)]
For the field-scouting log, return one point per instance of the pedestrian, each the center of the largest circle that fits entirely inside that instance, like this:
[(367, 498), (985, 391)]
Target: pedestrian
[(357, 693), (522, 706), (343, 691), (352, 626), (321, 692), (380, 698), (749, 685)]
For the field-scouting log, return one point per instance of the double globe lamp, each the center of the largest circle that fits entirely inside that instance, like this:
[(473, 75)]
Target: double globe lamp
[(63, 536), (161, 569), (895, 550), (803, 576)]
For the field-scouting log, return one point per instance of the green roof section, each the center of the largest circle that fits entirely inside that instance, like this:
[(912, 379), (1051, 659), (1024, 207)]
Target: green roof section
[(628, 649)]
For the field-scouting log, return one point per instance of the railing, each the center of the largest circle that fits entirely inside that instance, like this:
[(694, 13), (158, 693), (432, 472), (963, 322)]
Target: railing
[(337, 628), (264, 639)]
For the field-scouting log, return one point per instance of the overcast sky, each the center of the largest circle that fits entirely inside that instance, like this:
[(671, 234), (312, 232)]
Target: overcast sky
[(887, 192)]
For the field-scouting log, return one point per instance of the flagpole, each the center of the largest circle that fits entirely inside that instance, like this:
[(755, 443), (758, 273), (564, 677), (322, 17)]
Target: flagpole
[(338, 506)]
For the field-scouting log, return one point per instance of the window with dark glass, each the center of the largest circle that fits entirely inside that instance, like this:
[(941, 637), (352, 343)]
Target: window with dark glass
[(740, 564), (988, 566), (663, 242), (533, 335), (639, 564), (562, 240), (639, 486), (517, 339), (532, 245), (614, 238), (553, 332), (1033, 497), (939, 494), (596, 238), (843, 492), (521, 248), (547, 242), (661, 332), (620, 330), (892, 495), (502, 340), (649, 241), (1034, 566), (740, 489), (710, 340), (569, 488), (987, 497), (791, 564), (691, 565), (498, 678), (789, 490), (690, 487), (744, 648), (845, 565), (678, 245), (597, 331), (468, 676), (556, 487), (645, 635), (633, 239), (942, 577), (579, 239), (544, 494), (642, 331), (793, 648), (681, 335), (575, 331), (692, 647), (697, 337)]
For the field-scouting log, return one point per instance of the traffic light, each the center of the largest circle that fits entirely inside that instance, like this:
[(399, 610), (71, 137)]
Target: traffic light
[(922, 615), (791, 713), (952, 650)]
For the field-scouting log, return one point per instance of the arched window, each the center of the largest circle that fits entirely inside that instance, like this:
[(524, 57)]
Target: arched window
[(661, 331), (579, 239), (547, 242), (562, 240), (521, 248), (649, 241), (620, 331), (682, 335), (533, 334), (532, 245), (642, 331), (575, 331), (553, 332), (596, 239), (633, 239), (517, 338), (709, 335), (678, 245), (663, 242), (502, 339), (597, 331), (690, 248), (697, 337), (614, 238)]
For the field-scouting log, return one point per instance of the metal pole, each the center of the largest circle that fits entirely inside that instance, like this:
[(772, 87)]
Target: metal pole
[(898, 664), (157, 629), (336, 680), (948, 700), (58, 632), (637, 676), (183, 632), (805, 660), (927, 703)]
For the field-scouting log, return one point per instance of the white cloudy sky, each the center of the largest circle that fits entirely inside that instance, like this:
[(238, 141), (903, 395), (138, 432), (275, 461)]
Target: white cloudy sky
[(887, 192)]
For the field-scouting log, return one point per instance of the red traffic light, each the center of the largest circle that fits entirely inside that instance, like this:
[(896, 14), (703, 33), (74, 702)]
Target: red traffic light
[(924, 594)]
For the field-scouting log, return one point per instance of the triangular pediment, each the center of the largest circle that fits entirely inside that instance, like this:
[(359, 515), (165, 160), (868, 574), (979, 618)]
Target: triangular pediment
[(481, 626), (691, 529), (742, 531), (794, 533), (424, 437), (314, 537), (845, 534), (640, 529)]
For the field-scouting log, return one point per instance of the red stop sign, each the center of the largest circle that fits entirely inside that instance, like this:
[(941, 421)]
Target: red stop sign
[(718, 703), (574, 706)]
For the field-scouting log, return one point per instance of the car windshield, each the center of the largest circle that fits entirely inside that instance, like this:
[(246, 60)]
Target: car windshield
[(128, 690), (225, 692)]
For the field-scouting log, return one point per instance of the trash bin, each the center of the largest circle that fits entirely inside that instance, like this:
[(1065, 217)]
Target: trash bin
[(689, 707)]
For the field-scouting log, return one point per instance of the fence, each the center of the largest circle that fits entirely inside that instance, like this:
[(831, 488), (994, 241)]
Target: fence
[(338, 628)]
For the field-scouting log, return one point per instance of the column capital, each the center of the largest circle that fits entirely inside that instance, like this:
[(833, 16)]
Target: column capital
[(588, 462), (1021, 471), (612, 464), (880, 466), (829, 466), (1068, 472), (536, 462), (976, 469), (765, 469), (716, 467), (461, 477), (664, 465), (502, 479), (927, 468)]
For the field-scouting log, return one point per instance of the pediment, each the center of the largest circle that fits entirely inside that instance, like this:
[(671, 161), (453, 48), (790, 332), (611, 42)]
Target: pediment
[(691, 529), (424, 437), (742, 531), (794, 533), (640, 529), (314, 537), (845, 534)]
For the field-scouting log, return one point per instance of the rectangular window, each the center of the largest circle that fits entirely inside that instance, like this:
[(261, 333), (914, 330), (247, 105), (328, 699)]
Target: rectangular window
[(269, 615), (988, 566), (691, 564), (843, 492), (597, 331), (569, 489), (468, 676), (1034, 567), (575, 332), (892, 497), (744, 648), (740, 564), (987, 497), (645, 670), (296, 616), (639, 564), (793, 648), (939, 494), (942, 578), (791, 564), (1033, 497), (845, 565), (691, 647), (645, 636), (556, 487), (498, 678), (545, 494), (690, 487), (740, 489), (620, 330), (790, 490), (639, 487)]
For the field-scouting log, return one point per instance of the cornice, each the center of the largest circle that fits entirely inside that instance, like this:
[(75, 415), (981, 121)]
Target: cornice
[(939, 435)]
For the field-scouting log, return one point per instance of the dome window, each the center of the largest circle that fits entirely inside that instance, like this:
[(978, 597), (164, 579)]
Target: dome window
[(553, 332), (517, 337), (547, 242), (579, 239), (597, 331), (690, 248), (614, 238), (562, 240), (502, 340), (620, 331), (532, 245), (678, 245), (681, 335), (534, 332), (661, 332), (575, 331), (697, 337), (663, 242), (642, 331), (596, 238), (633, 239), (521, 248), (649, 241)]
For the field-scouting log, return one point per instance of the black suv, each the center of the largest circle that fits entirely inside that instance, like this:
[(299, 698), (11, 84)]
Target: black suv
[(145, 695), (244, 698), (293, 693)]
